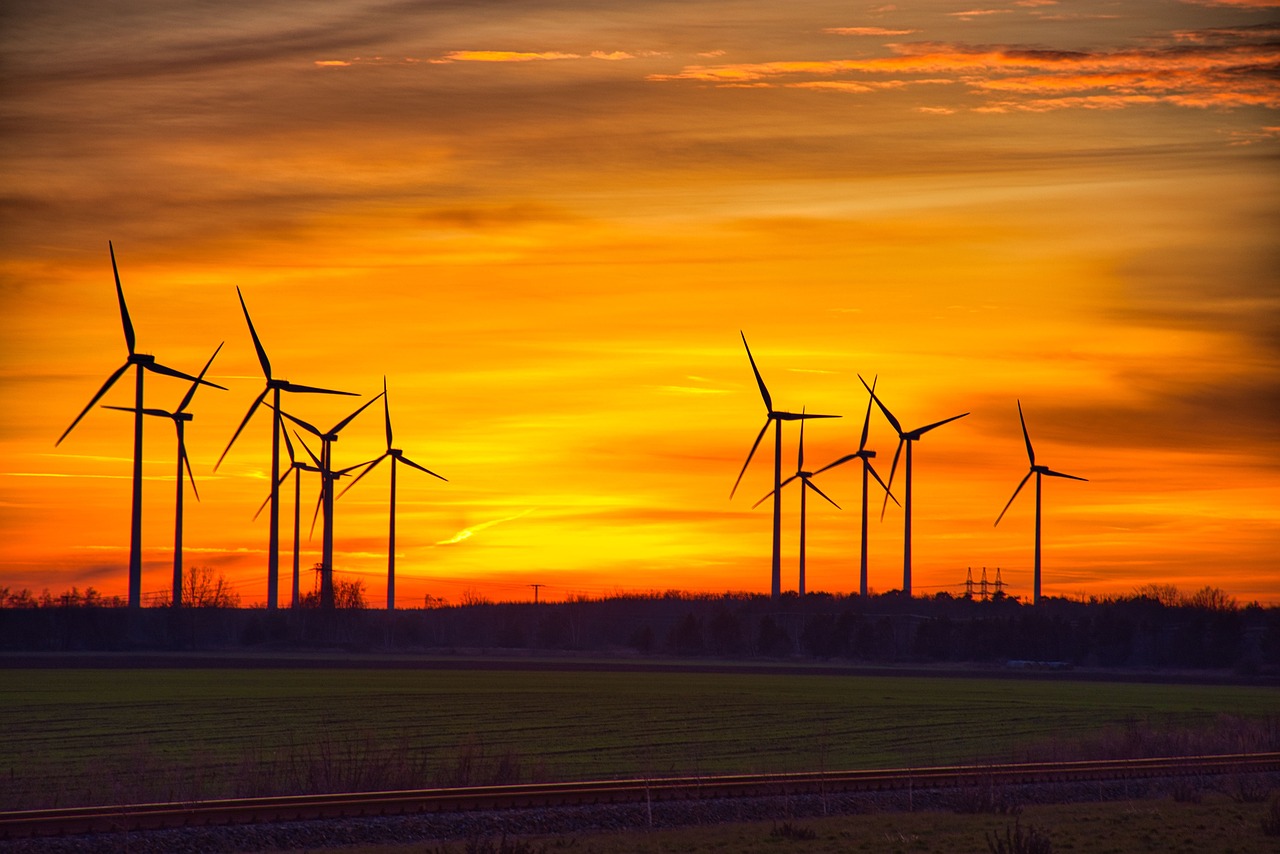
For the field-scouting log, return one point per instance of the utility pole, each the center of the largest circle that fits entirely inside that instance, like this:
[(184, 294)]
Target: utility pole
[(535, 591)]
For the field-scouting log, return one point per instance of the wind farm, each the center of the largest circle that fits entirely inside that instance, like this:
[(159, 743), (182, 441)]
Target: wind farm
[(329, 473), (551, 285)]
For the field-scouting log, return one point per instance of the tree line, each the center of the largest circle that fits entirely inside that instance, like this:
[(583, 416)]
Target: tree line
[(1155, 627)]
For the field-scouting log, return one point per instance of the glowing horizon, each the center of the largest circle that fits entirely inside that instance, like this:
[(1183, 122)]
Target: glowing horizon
[(547, 229)]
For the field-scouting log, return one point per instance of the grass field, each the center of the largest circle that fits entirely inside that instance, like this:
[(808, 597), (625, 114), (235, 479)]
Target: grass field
[(127, 735)]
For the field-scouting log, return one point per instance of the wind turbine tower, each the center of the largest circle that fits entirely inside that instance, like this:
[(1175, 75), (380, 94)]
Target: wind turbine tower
[(140, 362), (908, 438), (1038, 471), (397, 456), (866, 456), (776, 417)]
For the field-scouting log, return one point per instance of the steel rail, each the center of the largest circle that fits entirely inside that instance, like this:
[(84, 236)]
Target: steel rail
[(133, 817)]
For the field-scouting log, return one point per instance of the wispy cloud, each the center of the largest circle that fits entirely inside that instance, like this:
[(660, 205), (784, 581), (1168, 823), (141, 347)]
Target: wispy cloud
[(468, 533), (506, 56), (1231, 67), (867, 31), (979, 13), (488, 56), (1237, 4)]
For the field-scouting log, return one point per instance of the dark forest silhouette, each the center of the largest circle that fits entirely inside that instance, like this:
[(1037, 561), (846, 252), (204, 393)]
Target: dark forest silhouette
[(1156, 627)]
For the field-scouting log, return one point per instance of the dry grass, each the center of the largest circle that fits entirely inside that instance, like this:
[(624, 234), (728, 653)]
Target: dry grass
[(1216, 826)]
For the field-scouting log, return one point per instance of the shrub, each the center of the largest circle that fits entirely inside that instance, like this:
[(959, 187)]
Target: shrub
[(787, 830), (1018, 841)]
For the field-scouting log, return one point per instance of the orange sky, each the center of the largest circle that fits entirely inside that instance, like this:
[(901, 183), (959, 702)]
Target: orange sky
[(546, 224)]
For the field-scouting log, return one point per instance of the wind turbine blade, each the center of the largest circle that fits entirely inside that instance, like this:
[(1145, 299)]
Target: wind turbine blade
[(288, 445), (410, 462), (191, 392), (838, 462), (764, 392), (866, 422), (815, 488), (1021, 484), (386, 410), (1053, 473), (344, 422), (928, 427), (158, 412), (158, 368), (129, 338), (252, 408), (371, 465), (892, 471), (1026, 437), (798, 416), (310, 389), (763, 500), (182, 452), (307, 448), (893, 422), (752, 453), (866, 462), (304, 425), (319, 501), (800, 452), (257, 344), (263, 505), (105, 386)]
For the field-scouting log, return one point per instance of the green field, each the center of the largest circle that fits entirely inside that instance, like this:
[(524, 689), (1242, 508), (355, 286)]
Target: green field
[(122, 735)]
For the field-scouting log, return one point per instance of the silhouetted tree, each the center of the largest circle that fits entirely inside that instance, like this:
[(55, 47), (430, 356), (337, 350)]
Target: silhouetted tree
[(201, 588)]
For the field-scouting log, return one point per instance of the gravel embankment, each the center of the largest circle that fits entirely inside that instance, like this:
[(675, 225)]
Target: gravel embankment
[(567, 821)]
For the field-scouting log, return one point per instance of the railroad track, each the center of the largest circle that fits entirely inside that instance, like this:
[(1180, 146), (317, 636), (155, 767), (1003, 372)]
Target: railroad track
[(132, 817)]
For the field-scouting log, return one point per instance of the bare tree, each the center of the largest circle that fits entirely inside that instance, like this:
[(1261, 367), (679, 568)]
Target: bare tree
[(202, 588)]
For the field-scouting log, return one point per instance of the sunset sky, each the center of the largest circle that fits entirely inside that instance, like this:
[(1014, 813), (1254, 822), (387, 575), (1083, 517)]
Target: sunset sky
[(546, 224)]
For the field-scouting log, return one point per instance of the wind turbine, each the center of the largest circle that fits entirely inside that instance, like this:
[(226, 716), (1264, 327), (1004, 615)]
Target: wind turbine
[(866, 456), (327, 475), (776, 417), (180, 417), (274, 385), (806, 483), (141, 362), (1037, 471), (397, 456), (907, 438), (296, 468)]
